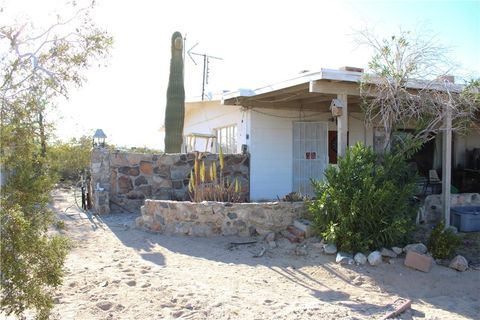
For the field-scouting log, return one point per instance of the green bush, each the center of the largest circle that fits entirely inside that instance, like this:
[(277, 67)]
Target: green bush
[(365, 203), (442, 242), (68, 160), (28, 279)]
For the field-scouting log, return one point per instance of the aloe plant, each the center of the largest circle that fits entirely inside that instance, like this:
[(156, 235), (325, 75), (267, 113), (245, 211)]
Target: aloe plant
[(212, 187), (175, 110)]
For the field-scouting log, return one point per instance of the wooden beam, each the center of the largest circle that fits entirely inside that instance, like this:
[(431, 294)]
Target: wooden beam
[(447, 163), (272, 105), (329, 87), (300, 88), (316, 98), (342, 126)]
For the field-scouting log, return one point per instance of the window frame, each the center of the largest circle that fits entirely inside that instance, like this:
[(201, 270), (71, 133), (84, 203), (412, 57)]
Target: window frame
[(227, 138)]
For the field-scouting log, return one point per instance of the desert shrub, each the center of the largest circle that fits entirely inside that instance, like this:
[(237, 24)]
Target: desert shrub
[(31, 260), (68, 160), (28, 279), (60, 225), (295, 197), (442, 242), (366, 202)]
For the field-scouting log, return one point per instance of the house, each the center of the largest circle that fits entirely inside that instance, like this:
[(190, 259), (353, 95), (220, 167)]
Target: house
[(294, 129)]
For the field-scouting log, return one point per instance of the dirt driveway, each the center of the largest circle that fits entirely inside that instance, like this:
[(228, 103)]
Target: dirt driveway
[(118, 272)]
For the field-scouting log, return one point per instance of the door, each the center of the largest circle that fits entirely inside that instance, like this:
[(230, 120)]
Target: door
[(310, 154)]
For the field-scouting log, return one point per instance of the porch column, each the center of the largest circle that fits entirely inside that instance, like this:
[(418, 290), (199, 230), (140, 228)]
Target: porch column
[(342, 126), (447, 164)]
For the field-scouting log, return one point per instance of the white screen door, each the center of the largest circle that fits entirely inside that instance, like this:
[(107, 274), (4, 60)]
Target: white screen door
[(310, 154)]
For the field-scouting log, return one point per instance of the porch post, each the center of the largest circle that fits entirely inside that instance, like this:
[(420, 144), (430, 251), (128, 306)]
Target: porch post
[(342, 126), (447, 164)]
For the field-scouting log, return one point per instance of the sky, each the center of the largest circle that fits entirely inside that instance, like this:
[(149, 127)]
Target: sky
[(260, 43)]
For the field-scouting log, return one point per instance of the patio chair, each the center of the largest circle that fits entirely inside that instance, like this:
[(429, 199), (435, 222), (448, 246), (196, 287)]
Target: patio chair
[(433, 182)]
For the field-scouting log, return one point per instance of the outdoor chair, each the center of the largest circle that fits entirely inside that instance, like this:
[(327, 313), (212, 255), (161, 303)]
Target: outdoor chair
[(433, 182)]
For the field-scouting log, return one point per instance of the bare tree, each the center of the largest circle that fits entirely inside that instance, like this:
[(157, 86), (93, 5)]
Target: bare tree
[(408, 84)]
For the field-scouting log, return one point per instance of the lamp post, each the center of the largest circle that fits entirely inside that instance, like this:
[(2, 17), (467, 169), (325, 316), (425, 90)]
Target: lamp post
[(99, 139)]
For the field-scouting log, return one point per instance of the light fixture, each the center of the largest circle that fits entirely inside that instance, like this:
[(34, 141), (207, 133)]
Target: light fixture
[(99, 139), (336, 107)]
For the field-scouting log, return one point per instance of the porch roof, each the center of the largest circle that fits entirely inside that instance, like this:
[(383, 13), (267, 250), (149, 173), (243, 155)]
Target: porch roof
[(299, 92), (316, 90)]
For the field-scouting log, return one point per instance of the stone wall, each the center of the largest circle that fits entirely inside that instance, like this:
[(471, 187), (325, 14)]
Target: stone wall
[(100, 179), (130, 178), (218, 218), (431, 211)]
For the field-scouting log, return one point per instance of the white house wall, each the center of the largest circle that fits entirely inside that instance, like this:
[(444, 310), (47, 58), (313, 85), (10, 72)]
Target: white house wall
[(205, 117), (271, 149)]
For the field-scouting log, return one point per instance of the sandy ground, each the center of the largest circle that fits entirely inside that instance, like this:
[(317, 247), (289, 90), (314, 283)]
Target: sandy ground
[(118, 272)]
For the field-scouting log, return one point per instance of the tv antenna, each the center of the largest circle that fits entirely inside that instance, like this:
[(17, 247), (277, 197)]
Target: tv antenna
[(206, 69)]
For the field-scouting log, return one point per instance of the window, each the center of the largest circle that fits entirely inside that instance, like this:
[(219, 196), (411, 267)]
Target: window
[(227, 139)]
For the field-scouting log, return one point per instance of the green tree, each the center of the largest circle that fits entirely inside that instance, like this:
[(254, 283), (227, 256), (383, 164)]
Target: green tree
[(36, 68), (68, 160)]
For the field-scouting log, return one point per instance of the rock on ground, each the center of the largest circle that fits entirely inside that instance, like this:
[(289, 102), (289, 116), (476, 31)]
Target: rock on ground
[(417, 247), (375, 258), (397, 250), (344, 258), (360, 258), (104, 305), (330, 248), (459, 263), (388, 253)]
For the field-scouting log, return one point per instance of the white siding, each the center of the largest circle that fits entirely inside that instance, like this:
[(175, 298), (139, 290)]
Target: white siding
[(271, 148), (204, 117), (270, 155), (270, 139)]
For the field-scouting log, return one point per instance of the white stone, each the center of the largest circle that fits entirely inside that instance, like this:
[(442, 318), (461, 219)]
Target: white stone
[(375, 258), (459, 263), (344, 258), (330, 248), (360, 258)]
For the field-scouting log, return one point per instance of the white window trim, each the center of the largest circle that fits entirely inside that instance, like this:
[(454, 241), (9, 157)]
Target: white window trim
[(230, 141)]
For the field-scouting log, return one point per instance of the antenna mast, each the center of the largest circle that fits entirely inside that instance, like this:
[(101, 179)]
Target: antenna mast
[(206, 62)]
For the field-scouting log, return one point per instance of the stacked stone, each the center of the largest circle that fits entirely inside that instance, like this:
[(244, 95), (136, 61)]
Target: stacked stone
[(216, 218), (100, 180), (136, 177)]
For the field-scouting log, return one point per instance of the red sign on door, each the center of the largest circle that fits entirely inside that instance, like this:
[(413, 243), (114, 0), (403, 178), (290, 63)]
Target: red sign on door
[(310, 155)]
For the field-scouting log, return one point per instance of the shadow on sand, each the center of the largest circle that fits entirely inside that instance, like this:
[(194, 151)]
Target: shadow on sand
[(461, 296)]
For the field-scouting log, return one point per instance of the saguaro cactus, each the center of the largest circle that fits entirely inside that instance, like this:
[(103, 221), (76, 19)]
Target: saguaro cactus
[(175, 110)]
